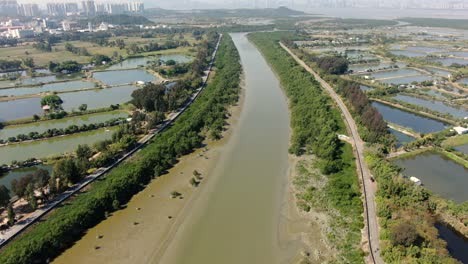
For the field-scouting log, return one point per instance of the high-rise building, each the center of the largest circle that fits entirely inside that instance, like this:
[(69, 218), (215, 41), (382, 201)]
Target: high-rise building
[(101, 8), (71, 8), (113, 8), (56, 9), (136, 7), (8, 7), (89, 8), (28, 10)]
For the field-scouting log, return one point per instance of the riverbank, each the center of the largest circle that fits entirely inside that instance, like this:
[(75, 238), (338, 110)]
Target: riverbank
[(159, 216), (310, 224)]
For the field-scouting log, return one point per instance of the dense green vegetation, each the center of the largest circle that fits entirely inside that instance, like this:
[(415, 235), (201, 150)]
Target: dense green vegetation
[(372, 126), (69, 222), (64, 67), (315, 124), (6, 65)]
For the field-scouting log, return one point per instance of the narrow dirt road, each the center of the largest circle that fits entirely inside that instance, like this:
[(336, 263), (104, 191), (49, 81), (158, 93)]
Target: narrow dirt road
[(367, 185)]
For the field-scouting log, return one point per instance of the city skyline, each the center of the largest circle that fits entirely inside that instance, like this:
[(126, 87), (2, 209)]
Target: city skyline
[(200, 4)]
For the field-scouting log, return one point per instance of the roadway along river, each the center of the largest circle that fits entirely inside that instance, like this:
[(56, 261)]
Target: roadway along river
[(238, 213), (240, 222)]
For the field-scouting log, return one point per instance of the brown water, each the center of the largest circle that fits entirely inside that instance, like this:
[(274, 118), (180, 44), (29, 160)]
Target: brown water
[(240, 221), (238, 213)]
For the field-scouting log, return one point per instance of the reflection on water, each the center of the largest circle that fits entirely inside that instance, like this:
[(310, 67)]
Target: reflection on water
[(439, 174), (418, 123), (457, 245), (54, 146)]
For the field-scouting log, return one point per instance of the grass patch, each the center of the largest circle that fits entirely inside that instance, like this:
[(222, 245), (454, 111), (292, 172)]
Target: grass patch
[(456, 141), (338, 195)]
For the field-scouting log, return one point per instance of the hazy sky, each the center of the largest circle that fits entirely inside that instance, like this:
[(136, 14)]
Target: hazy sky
[(296, 4)]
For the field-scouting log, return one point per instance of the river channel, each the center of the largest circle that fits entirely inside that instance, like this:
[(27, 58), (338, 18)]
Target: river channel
[(236, 216)]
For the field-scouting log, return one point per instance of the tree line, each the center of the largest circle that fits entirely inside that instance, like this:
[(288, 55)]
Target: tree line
[(373, 127), (53, 132), (48, 238)]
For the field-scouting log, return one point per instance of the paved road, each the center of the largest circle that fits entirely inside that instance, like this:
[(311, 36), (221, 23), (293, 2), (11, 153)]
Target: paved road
[(21, 225), (368, 185)]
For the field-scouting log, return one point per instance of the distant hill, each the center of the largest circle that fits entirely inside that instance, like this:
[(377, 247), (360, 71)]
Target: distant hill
[(437, 22), (117, 20), (221, 13)]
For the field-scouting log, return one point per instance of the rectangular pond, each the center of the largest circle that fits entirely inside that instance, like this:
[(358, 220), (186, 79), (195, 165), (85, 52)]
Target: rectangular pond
[(462, 148), (17, 109), (407, 80), (463, 81), (395, 73), (439, 72), (41, 127), (433, 105), (365, 88), (51, 87), (407, 53), (401, 137), (461, 54), (450, 61), (418, 123), (100, 98), (438, 173), (97, 98), (54, 146), (123, 76), (374, 66), (425, 49)]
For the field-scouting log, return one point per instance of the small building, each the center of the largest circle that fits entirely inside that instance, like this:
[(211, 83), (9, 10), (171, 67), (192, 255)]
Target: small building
[(461, 130), (46, 108), (415, 180)]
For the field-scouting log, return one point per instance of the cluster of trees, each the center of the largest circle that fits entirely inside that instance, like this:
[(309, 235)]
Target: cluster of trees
[(68, 223), (373, 127), (64, 67), (80, 51), (175, 69), (154, 46), (99, 59), (160, 97), (26, 186), (43, 46), (53, 132), (9, 42), (53, 101), (368, 116), (7, 65), (333, 64), (315, 125)]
